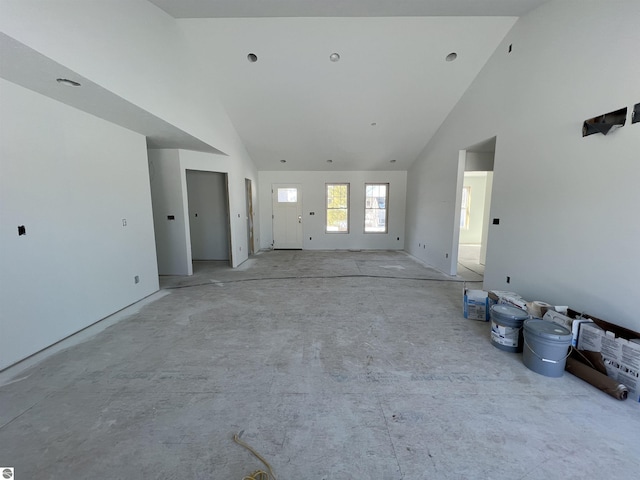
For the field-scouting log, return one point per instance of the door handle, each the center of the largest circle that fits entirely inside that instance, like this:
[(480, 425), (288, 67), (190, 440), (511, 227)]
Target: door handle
[(299, 218)]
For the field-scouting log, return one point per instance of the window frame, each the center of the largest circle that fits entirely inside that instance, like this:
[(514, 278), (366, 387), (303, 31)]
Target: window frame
[(288, 189), (327, 208), (386, 207)]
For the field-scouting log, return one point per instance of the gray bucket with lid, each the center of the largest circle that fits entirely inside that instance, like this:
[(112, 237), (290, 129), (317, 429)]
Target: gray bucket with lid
[(506, 327), (546, 347)]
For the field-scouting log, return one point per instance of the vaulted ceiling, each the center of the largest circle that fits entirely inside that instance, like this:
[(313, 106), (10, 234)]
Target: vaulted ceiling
[(373, 109), (344, 8), (383, 100)]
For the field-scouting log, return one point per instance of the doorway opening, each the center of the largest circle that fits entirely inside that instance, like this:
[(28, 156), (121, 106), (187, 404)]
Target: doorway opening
[(476, 165), (209, 219), (249, 214)]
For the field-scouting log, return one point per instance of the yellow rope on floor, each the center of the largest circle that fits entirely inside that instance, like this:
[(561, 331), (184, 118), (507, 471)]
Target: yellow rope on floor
[(259, 474)]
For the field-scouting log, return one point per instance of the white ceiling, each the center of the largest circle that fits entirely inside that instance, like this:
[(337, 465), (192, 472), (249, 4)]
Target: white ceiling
[(344, 8), (295, 104)]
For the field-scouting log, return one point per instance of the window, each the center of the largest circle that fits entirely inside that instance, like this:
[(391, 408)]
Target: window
[(465, 208), (287, 195), (337, 208), (376, 200)]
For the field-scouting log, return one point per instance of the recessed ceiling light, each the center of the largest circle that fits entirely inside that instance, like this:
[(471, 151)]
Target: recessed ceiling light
[(329, 161), (392, 161), (451, 57), (252, 57), (334, 57), (67, 82), (283, 161)]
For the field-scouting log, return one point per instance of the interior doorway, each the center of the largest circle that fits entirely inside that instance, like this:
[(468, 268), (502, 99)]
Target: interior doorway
[(287, 216), (475, 205), (208, 206), (249, 212)]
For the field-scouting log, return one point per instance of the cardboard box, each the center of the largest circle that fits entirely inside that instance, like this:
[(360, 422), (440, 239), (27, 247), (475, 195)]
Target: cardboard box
[(572, 324), (621, 355), (476, 304), (590, 338)]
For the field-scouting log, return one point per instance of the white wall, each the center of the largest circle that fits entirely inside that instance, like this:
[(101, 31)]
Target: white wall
[(137, 51), (70, 179), (131, 48), (170, 197), (208, 217), (479, 161), (313, 200), (170, 215), (486, 221), (565, 234), (478, 183)]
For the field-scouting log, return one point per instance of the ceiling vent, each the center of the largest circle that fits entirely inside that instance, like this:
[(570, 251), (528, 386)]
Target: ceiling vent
[(604, 123)]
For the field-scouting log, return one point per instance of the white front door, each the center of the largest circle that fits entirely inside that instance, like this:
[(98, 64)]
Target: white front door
[(287, 216)]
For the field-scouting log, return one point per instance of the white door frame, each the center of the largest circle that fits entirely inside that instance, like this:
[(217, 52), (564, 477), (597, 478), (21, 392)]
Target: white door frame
[(286, 218)]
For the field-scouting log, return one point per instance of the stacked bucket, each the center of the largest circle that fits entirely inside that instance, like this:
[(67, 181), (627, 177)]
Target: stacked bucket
[(545, 345)]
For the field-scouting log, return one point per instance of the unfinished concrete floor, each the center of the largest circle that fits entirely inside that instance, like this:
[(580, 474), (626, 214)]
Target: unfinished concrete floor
[(469, 259), (341, 375)]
